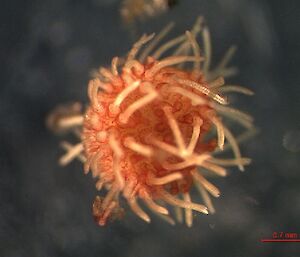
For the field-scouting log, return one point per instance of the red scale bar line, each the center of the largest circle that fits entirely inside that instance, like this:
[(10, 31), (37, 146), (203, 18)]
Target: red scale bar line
[(280, 240)]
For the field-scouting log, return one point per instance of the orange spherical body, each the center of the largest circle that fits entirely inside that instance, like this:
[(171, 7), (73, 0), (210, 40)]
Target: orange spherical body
[(153, 126)]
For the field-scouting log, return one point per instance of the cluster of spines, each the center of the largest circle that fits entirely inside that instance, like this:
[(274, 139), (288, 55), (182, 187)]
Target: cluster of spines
[(212, 90)]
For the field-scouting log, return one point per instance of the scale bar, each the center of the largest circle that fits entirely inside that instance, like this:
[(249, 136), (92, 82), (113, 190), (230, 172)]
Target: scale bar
[(280, 240)]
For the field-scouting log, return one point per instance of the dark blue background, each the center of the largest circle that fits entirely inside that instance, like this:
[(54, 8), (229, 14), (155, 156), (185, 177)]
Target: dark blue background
[(48, 49)]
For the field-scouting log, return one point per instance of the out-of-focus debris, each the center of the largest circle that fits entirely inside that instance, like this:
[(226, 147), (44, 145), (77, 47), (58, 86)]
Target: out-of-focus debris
[(251, 200), (291, 141), (132, 10)]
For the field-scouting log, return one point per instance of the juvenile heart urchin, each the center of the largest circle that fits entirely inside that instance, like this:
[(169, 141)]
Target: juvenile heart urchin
[(153, 126)]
